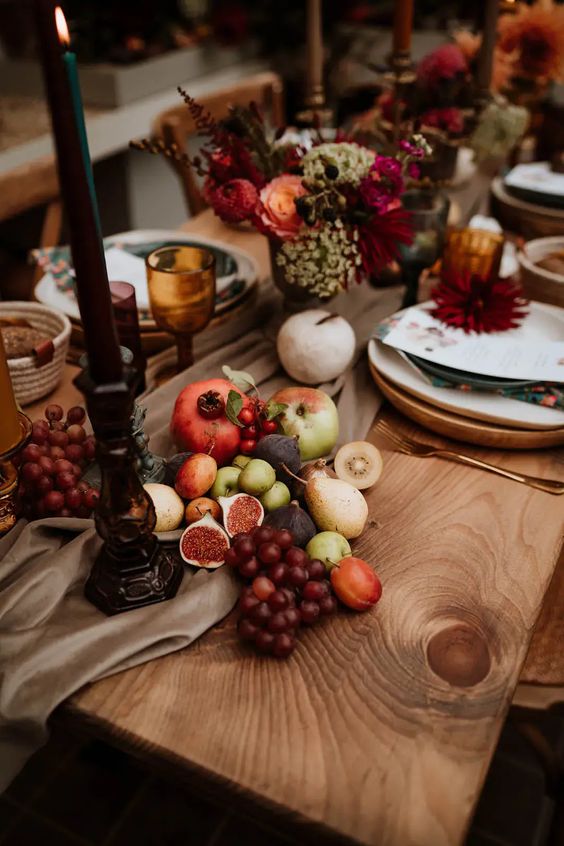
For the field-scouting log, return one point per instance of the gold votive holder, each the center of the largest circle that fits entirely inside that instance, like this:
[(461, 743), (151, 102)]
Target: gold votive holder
[(9, 478), (474, 251)]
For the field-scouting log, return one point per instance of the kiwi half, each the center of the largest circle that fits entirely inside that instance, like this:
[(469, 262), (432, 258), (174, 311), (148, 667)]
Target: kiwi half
[(359, 463)]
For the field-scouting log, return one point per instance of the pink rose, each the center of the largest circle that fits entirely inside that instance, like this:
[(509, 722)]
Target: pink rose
[(277, 210)]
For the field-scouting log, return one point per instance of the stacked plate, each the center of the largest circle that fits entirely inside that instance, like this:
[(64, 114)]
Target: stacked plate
[(480, 414), (237, 276), (530, 200)]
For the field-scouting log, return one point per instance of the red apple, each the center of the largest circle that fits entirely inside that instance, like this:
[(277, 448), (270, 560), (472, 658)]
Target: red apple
[(195, 476), (356, 584), (199, 423), (312, 416)]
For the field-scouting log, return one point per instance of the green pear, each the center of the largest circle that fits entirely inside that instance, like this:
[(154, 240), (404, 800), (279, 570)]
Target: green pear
[(335, 506)]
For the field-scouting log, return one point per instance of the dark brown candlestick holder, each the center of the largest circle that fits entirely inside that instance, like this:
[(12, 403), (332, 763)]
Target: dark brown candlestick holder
[(132, 570)]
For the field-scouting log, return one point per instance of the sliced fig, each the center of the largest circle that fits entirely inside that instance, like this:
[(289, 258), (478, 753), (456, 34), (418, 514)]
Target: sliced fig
[(204, 543), (241, 513)]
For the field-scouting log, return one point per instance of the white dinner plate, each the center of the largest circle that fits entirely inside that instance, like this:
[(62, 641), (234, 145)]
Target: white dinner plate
[(544, 321), (48, 293)]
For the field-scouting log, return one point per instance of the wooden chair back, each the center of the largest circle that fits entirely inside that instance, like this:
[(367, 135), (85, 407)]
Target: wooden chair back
[(175, 126)]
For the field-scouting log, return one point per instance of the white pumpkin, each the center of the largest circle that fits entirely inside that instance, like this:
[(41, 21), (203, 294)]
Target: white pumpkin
[(315, 346)]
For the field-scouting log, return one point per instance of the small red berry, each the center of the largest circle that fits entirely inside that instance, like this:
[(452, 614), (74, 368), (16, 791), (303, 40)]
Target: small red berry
[(247, 447), (269, 427), (249, 433), (246, 416)]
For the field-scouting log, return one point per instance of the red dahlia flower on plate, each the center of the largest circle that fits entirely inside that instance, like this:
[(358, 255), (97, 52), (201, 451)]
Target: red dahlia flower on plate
[(475, 304)]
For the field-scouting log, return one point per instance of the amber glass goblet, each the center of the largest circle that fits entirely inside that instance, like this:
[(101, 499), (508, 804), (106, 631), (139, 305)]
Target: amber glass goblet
[(181, 283)]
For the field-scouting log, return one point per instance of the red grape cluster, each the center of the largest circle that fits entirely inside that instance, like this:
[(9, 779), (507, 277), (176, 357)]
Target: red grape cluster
[(51, 466), (255, 426), (287, 589)]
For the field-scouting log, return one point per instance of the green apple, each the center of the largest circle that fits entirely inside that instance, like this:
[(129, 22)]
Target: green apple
[(312, 416), (276, 497), (329, 547), (225, 482), (257, 477), (241, 461)]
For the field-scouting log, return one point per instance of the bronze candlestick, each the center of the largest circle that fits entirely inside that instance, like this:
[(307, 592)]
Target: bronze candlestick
[(132, 570), (9, 478)]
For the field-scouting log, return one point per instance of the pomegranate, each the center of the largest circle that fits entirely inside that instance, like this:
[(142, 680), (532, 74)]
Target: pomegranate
[(204, 544), (192, 427), (241, 513)]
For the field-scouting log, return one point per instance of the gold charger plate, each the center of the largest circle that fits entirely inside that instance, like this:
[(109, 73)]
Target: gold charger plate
[(465, 428)]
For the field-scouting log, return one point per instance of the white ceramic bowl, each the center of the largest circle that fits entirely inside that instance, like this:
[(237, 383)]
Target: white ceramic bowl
[(30, 381), (538, 283)]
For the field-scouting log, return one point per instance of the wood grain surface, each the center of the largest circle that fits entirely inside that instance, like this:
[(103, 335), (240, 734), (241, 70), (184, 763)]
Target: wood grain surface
[(381, 727), (356, 733)]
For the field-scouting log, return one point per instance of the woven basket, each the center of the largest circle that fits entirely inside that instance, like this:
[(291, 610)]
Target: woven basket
[(30, 381)]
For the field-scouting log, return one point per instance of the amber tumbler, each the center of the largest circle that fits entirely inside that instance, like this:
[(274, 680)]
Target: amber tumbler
[(181, 283), (474, 251)]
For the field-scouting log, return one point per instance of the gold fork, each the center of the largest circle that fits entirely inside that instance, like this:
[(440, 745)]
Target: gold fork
[(411, 447)]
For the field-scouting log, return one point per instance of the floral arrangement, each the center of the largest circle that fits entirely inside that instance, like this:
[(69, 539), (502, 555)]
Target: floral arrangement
[(441, 93), (529, 49), (332, 210)]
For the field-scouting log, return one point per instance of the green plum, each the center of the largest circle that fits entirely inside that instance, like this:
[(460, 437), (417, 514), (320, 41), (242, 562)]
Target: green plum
[(329, 547), (257, 477), (225, 482), (276, 497)]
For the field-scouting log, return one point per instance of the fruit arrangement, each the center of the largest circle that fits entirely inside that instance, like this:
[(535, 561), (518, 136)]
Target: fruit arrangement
[(52, 464), (286, 589), (252, 489)]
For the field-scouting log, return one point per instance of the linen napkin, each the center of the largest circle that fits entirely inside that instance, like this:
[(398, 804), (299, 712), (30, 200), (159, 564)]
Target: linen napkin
[(52, 640)]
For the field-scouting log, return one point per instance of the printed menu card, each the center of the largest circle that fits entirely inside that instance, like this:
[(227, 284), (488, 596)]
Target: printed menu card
[(508, 355)]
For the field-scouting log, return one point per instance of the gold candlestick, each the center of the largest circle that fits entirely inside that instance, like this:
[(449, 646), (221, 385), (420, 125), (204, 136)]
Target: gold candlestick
[(486, 54), (9, 474), (315, 111), (10, 432)]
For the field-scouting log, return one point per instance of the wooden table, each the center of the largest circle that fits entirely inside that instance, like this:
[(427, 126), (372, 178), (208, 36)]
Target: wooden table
[(360, 736)]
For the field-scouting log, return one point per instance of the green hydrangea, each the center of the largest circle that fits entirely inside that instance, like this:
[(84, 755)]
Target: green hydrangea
[(352, 161)]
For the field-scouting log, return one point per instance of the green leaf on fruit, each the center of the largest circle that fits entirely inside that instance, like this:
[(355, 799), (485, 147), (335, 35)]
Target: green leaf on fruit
[(273, 409), (233, 407), (240, 378)]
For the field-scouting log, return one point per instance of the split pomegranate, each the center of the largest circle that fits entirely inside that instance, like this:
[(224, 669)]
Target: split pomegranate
[(196, 428)]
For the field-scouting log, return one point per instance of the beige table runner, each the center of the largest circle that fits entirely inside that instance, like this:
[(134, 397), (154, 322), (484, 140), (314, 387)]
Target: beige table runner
[(52, 641)]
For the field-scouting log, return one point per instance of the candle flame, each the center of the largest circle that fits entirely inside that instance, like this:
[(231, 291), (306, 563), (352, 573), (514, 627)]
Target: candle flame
[(62, 28)]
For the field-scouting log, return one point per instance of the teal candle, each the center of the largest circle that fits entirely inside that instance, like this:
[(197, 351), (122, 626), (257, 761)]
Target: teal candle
[(71, 69)]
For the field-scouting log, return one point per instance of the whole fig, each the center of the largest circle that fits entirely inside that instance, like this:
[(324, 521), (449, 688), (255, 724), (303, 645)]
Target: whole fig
[(281, 452), (295, 519)]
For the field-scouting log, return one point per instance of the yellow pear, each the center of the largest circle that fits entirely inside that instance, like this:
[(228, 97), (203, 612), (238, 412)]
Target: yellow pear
[(336, 506)]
